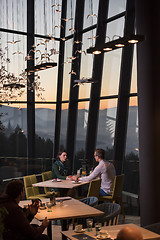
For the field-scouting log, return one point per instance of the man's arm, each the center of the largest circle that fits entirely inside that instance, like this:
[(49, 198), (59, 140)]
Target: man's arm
[(22, 225), (93, 175)]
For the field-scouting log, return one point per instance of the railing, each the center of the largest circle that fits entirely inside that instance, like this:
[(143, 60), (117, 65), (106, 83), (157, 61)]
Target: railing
[(17, 167)]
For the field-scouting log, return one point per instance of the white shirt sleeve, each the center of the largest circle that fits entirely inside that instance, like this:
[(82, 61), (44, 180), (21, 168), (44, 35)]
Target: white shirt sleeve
[(96, 173)]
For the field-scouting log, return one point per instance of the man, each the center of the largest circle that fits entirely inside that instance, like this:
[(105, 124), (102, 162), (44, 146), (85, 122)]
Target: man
[(16, 222), (105, 170), (129, 233)]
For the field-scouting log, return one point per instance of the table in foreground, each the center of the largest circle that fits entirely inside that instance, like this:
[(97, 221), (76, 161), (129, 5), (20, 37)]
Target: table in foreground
[(61, 184), (112, 230), (70, 209)]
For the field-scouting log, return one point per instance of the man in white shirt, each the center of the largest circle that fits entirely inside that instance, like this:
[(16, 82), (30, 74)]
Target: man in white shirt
[(105, 170)]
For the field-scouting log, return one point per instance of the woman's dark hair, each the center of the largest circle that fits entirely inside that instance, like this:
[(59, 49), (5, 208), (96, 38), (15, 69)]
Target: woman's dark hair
[(14, 188), (100, 153), (59, 153)]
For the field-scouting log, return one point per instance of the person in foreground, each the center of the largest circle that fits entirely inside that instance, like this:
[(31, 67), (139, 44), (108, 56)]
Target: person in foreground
[(129, 233), (17, 221), (105, 170)]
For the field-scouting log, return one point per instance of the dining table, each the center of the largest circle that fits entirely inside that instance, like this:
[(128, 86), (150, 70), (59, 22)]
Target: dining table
[(111, 230), (65, 208), (59, 183)]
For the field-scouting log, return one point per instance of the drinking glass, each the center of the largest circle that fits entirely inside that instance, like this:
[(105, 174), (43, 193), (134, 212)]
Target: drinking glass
[(98, 228), (49, 205), (89, 222)]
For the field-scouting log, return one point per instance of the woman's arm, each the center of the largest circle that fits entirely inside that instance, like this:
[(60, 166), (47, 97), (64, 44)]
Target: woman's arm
[(56, 173)]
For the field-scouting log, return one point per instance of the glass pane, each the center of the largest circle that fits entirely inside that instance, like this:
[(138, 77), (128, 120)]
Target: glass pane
[(14, 130), (48, 17), (45, 52), (13, 15), (70, 17), (82, 123), (67, 69), (44, 125), (13, 51), (116, 7), (64, 117), (90, 13), (115, 29), (106, 126), (86, 65), (111, 73), (131, 164), (134, 72), (132, 132)]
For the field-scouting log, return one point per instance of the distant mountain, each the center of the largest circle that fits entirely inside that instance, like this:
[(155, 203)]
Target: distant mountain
[(45, 124)]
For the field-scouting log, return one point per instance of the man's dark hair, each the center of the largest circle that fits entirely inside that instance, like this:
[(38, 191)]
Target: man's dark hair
[(14, 188), (100, 153)]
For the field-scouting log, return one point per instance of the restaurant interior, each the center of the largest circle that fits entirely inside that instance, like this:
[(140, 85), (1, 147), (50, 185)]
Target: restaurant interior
[(80, 75)]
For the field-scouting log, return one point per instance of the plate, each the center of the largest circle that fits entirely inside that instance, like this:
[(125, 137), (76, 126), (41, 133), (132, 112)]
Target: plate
[(76, 182), (80, 231), (103, 237), (56, 180)]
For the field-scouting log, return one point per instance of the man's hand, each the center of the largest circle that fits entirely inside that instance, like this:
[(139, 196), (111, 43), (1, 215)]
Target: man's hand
[(75, 178), (45, 222), (33, 209)]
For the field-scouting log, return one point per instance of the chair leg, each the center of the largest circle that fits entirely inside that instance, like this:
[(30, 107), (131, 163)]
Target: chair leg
[(122, 208)]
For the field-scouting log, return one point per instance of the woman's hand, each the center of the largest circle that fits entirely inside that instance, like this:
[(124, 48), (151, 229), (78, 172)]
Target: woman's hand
[(75, 178)]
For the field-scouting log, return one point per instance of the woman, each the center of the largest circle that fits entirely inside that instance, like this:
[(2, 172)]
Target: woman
[(60, 167)]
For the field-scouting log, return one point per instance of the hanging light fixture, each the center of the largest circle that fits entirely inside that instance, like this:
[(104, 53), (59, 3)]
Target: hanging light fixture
[(42, 66), (115, 44)]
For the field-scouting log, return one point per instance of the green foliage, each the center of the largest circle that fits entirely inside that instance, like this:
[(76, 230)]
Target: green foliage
[(13, 143)]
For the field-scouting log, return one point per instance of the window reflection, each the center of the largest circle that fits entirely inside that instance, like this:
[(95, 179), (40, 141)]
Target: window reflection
[(106, 126)]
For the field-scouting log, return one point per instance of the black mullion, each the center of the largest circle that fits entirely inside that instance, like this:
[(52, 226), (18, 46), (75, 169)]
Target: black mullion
[(96, 87), (60, 81), (124, 90), (30, 93), (74, 91)]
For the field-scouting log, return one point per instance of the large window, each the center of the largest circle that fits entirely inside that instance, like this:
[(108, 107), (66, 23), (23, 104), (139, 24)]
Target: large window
[(48, 108)]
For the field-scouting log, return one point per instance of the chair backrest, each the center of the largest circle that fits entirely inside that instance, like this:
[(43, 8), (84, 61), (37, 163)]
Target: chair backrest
[(94, 188), (118, 186), (46, 176), (29, 189), (91, 201), (111, 213), (155, 227)]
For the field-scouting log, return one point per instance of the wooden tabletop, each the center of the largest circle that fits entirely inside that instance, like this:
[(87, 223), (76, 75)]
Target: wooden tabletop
[(69, 209), (59, 184), (113, 231)]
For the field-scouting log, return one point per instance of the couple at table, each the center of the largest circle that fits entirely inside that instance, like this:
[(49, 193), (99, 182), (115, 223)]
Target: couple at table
[(105, 170)]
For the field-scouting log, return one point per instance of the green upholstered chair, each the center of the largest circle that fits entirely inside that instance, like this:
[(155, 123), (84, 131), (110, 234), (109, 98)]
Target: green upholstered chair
[(117, 193), (45, 177), (94, 188), (32, 192)]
